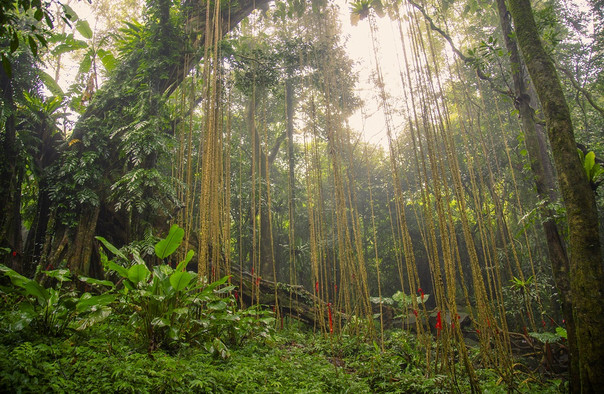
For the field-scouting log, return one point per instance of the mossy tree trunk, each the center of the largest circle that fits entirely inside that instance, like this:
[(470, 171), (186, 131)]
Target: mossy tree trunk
[(545, 184), (586, 271)]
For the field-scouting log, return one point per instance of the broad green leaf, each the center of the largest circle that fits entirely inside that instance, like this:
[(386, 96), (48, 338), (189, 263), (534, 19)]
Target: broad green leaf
[(50, 83), (138, 273), (86, 63), (225, 289), (92, 281), (179, 280), (92, 318), (89, 303), (84, 29), (107, 59), (182, 266), (62, 275), (589, 163), (168, 245), (561, 331), (16, 278), (34, 288), (70, 13), (111, 248), (123, 272)]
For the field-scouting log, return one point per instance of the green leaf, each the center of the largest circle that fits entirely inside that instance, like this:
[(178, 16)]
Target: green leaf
[(111, 248), (561, 332), (138, 273), (588, 164), (62, 275), (168, 245), (84, 29), (225, 289), (34, 288), (86, 63), (8, 69), (70, 13), (92, 318), (179, 280), (16, 278), (98, 282), (107, 59), (123, 272), (94, 302), (33, 46), (50, 83), (182, 266)]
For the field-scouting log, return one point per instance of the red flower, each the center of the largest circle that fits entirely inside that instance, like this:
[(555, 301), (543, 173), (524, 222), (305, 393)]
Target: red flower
[(258, 281), (415, 312), (317, 286), (439, 323), (14, 253), (543, 323), (236, 296), (420, 291)]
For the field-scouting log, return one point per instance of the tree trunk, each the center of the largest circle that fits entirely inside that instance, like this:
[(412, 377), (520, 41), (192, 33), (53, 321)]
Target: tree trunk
[(586, 271), (544, 181), (10, 234)]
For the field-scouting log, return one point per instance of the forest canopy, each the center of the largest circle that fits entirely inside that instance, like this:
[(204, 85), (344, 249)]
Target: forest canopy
[(230, 168)]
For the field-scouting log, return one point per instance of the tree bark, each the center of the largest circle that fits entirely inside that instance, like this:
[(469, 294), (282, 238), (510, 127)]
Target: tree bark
[(586, 271), (10, 225), (544, 181)]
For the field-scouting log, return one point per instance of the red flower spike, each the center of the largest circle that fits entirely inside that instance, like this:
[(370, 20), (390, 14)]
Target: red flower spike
[(236, 296), (415, 312), (14, 253), (317, 286), (439, 323), (258, 281), (330, 318), (543, 323), (477, 331), (335, 288), (421, 292), (252, 271)]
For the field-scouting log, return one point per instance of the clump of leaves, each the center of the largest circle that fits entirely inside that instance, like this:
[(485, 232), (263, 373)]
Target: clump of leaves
[(171, 306), (53, 310)]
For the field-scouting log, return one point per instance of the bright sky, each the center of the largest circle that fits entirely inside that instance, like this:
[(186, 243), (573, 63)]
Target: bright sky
[(369, 120)]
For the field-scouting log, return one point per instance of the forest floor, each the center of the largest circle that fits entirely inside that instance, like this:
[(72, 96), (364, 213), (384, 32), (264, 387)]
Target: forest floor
[(107, 358)]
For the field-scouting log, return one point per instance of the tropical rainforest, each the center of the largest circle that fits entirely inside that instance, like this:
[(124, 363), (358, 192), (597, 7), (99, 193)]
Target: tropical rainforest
[(193, 200)]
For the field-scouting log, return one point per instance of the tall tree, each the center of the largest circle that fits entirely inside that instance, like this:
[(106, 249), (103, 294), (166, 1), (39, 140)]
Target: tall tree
[(586, 271)]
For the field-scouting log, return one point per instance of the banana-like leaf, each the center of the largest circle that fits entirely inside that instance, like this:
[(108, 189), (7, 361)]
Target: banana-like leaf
[(179, 280), (168, 245), (182, 266), (111, 248), (84, 29), (50, 83), (138, 273)]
